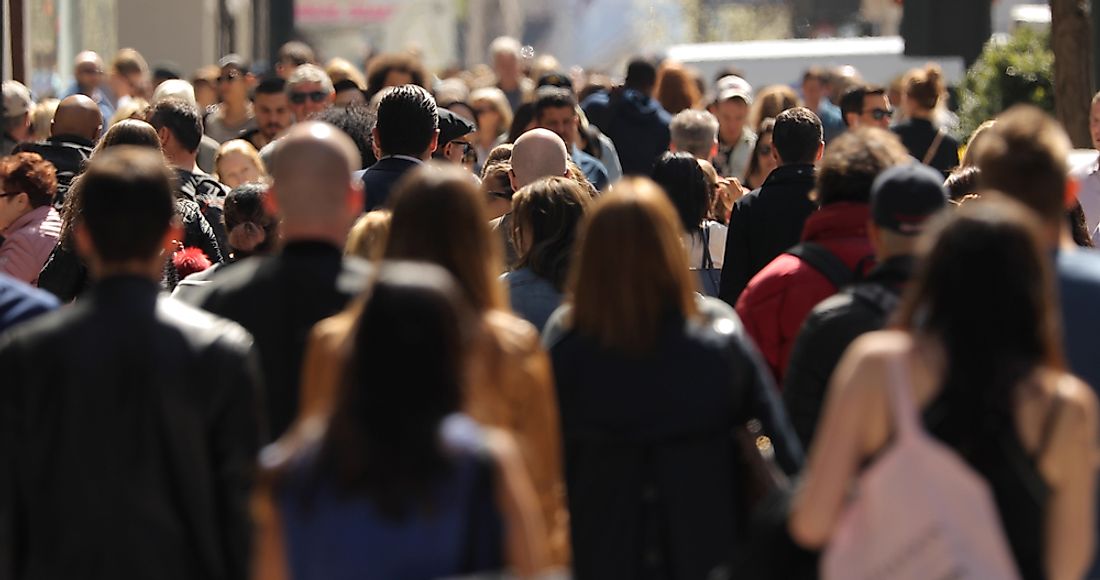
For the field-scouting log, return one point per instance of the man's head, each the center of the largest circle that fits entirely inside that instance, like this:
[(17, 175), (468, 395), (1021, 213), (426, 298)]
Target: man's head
[(127, 214), (88, 69), (407, 123), (797, 137), (556, 110), (732, 104), (234, 80), (314, 191), (454, 137), (641, 75), (291, 56), (866, 106), (903, 198), (27, 182), (504, 54), (18, 108), (536, 154), (77, 115), (176, 89), (815, 86), (695, 132), (356, 122), (1024, 155), (310, 91), (853, 160), (179, 127), (272, 107)]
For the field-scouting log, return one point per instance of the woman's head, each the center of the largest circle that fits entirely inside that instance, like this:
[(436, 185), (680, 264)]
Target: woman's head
[(923, 89), (494, 114), (685, 183), (771, 101), (129, 132), (676, 88), (238, 162), (546, 217), (251, 229), (763, 162), (439, 217), (367, 238), (404, 375), (632, 271), (496, 186)]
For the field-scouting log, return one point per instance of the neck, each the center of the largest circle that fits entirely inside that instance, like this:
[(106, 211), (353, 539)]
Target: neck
[(182, 160), (924, 114), (234, 109), (509, 83), (148, 269)]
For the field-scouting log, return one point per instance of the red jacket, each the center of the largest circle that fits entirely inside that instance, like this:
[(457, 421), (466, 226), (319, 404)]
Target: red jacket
[(778, 299)]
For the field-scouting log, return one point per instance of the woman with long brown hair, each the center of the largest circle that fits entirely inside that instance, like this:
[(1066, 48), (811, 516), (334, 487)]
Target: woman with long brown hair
[(651, 380), (977, 351)]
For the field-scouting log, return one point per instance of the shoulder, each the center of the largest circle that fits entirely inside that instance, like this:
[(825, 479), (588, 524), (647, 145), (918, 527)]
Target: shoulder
[(204, 329), (20, 302), (239, 278), (511, 333), (1079, 265)]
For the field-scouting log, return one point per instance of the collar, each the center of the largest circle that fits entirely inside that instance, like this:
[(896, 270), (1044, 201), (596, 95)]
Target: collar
[(791, 172), (843, 219), (69, 140), (35, 216), (308, 247), (404, 157), (893, 271)]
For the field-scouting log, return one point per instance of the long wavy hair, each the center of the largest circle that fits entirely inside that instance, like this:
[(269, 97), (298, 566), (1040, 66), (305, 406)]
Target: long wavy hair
[(546, 216)]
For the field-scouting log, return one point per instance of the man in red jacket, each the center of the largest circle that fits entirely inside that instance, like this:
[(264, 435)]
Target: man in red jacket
[(834, 245)]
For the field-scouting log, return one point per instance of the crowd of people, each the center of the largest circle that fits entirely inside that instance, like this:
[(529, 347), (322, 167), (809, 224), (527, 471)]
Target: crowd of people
[(321, 322)]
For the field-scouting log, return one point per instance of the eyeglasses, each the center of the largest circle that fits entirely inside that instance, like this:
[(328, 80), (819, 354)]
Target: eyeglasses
[(315, 96), (880, 114), (229, 77), (466, 146)]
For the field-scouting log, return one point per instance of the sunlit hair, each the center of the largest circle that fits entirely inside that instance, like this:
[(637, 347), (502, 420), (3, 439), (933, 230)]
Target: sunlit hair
[(769, 102), (676, 89), (134, 108), (632, 272), (546, 216), (495, 98), (924, 86), (244, 148), (339, 69), (969, 158), (367, 238), (439, 217)]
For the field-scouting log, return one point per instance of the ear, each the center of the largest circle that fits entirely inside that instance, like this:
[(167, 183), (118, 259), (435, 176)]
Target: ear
[(850, 120), (713, 150), (874, 234), (374, 143), (820, 151), (512, 180), (774, 154), (435, 142), (1072, 187), (98, 131), (164, 135)]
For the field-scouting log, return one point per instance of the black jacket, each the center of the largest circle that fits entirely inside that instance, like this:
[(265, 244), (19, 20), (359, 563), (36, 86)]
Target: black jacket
[(379, 179), (918, 135), (765, 223), (278, 299), (67, 153), (637, 124), (652, 485), (210, 196), (132, 455), (828, 331)]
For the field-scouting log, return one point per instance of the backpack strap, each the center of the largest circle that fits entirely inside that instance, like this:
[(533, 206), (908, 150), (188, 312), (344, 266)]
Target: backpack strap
[(824, 261), (877, 296)]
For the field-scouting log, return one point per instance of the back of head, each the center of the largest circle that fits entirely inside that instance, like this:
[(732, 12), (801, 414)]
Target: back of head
[(407, 120), (694, 131), (962, 182), (77, 115), (985, 290), (270, 86), (1024, 155), (676, 88), (312, 168), (504, 46), (546, 217), (683, 180), (924, 86), (175, 89), (439, 217), (641, 74), (771, 101), (632, 271), (367, 238), (536, 154), (853, 160), (384, 65), (296, 53), (356, 122), (129, 132), (250, 228), (127, 203), (797, 135), (29, 173), (181, 118)]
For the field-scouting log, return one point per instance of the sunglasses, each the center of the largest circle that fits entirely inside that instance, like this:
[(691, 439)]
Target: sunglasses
[(315, 96), (229, 77), (880, 114)]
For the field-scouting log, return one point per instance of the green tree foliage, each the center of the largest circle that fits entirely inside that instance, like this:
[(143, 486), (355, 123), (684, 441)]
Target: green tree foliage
[(1019, 69)]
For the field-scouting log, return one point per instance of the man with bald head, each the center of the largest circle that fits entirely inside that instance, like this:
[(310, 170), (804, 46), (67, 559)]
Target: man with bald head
[(73, 133), (279, 298), (88, 81), (536, 154)]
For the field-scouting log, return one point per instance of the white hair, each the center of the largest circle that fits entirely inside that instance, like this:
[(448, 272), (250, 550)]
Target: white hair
[(175, 89), (504, 45), (310, 73)]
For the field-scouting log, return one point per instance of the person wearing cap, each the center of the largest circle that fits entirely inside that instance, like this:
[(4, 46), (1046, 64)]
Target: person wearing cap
[(232, 116), (454, 140), (18, 108), (903, 199), (635, 122), (736, 140)]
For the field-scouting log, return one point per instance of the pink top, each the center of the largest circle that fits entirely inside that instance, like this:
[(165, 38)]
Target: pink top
[(28, 242)]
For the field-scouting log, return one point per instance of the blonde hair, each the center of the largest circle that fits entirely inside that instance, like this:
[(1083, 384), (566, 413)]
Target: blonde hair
[(632, 270), (133, 108), (339, 69), (244, 148), (499, 102), (42, 118), (367, 238)]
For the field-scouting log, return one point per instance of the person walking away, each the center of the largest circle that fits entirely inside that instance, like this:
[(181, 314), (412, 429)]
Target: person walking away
[(926, 142), (75, 128)]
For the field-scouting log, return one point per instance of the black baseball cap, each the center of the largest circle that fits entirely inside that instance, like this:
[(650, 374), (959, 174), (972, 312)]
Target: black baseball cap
[(453, 126), (904, 197), (555, 79)]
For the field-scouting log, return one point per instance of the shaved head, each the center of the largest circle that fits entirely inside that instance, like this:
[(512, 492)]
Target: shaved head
[(536, 154), (88, 57), (77, 115), (312, 168)]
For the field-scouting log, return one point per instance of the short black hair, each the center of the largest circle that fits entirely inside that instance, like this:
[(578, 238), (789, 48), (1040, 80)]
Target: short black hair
[(270, 86), (407, 119), (852, 101), (553, 98), (127, 202), (797, 135), (641, 73), (356, 121), (181, 118)]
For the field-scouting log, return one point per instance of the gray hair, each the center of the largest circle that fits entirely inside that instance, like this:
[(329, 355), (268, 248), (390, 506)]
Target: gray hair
[(309, 73), (694, 132)]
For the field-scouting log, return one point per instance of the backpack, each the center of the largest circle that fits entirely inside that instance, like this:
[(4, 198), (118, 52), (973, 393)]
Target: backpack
[(919, 511), (827, 263)]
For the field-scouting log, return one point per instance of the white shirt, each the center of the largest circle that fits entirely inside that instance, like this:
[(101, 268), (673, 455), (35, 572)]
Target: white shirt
[(1088, 175), (694, 245)]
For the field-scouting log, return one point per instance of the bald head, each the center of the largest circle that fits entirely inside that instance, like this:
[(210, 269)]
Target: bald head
[(77, 115), (88, 69), (88, 57), (312, 168), (536, 154)]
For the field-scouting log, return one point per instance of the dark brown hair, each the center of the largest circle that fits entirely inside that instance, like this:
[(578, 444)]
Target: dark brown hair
[(925, 85), (853, 160)]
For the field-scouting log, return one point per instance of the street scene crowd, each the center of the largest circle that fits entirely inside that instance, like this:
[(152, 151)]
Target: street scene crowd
[(316, 322)]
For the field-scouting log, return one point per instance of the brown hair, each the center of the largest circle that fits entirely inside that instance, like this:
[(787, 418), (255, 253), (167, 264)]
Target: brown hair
[(676, 88), (632, 270), (853, 160), (549, 212), (1024, 155), (30, 174), (367, 238), (924, 86), (439, 217), (382, 65), (771, 101)]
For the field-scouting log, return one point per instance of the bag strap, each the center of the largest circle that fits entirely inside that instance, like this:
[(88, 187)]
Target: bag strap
[(900, 391), (934, 147), (824, 261), (708, 262), (1050, 421)]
